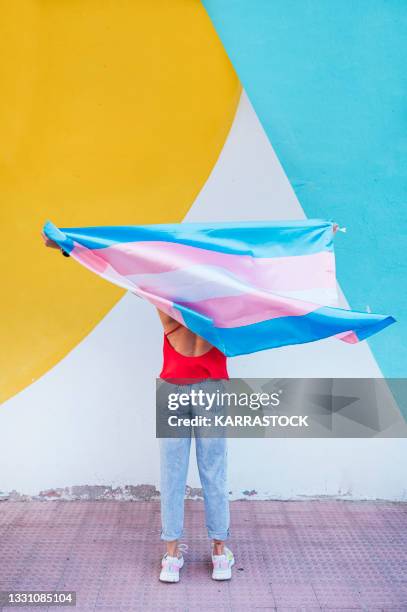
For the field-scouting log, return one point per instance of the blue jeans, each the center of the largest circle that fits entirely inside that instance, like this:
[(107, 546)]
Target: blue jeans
[(211, 456)]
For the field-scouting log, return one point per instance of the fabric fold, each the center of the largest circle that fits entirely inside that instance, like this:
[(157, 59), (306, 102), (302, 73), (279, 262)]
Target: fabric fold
[(241, 286)]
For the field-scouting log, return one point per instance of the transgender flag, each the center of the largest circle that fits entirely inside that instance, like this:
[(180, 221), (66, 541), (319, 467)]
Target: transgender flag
[(244, 287)]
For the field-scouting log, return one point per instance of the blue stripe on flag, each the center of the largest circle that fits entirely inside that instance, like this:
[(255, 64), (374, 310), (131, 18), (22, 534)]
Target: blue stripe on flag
[(273, 333), (256, 239)]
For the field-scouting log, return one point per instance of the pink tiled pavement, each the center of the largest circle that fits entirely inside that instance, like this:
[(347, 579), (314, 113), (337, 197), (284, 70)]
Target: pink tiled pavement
[(293, 555)]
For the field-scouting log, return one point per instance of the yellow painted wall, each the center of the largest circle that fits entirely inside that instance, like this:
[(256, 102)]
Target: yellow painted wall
[(111, 113)]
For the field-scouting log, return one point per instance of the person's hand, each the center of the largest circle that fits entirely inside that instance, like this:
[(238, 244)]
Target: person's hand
[(49, 243)]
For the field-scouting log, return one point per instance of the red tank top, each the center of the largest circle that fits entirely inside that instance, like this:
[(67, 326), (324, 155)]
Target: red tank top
[(184, 369)]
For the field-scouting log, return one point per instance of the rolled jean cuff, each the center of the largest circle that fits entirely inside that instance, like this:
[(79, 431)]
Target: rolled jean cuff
[(219, 536), (170, 538)]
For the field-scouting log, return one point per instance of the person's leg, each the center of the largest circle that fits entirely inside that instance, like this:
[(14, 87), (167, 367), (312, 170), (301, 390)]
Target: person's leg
[(211, 456), (174, 459), (212, 459)]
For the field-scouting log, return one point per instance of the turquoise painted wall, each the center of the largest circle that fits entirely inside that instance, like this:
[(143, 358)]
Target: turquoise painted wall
[(328, 81)]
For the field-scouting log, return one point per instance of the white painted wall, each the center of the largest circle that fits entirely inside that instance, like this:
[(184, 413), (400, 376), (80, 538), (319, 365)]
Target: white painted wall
[(91, 418)]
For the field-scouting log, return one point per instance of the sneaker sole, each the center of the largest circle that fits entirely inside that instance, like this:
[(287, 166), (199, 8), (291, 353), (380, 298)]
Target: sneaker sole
[(169, 577)]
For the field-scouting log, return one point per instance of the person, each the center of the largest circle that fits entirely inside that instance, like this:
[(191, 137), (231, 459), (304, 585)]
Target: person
[(190, 362)]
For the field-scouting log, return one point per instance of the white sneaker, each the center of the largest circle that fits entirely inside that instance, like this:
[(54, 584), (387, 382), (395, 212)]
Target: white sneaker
[(170, 566), (222, 565)]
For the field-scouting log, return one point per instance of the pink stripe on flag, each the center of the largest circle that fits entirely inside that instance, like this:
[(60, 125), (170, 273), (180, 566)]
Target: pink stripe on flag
[(91, 260), (349, 336), (229, 311), (248, 308), (298, 272)]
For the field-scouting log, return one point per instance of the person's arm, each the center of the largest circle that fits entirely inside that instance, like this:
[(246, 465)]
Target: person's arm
[(168, 323)]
